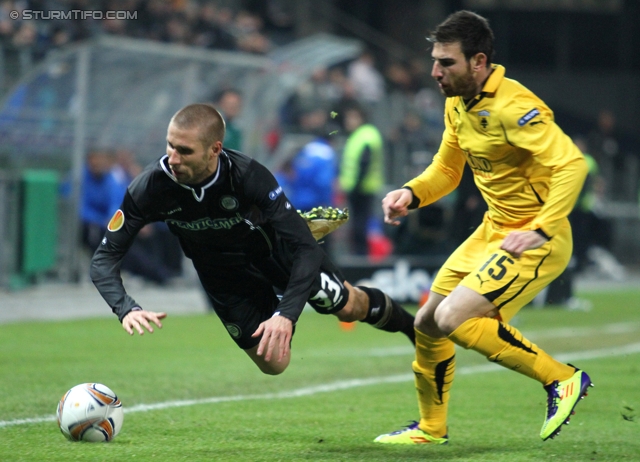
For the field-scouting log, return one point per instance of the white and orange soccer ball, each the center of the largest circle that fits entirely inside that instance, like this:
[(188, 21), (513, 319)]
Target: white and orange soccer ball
[(90, 412)]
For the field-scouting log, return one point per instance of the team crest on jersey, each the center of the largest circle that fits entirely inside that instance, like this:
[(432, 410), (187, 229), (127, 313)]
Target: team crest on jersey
[(275, 193), (229, 203), (234, 330), (525, 119), (116, 222)]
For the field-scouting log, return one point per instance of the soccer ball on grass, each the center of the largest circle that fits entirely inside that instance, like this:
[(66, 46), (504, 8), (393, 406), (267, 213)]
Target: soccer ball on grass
[(90, 412)]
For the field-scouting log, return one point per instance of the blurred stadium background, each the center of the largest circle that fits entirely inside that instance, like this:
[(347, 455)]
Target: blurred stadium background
[(70, 86)]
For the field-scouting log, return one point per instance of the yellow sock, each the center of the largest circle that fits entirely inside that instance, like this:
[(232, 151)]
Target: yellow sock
[(433, 368), (505, 345)]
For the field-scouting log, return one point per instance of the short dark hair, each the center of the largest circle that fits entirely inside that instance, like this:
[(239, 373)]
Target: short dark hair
[(203, 116), (468, 28)]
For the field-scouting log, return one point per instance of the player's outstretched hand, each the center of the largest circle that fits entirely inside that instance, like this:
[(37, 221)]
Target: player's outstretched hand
[(141, 318), (276, 336), (396, 204), (518, 242)]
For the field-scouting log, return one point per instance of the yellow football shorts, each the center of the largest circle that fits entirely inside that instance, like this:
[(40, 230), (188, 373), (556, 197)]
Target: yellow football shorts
[(507, 282)]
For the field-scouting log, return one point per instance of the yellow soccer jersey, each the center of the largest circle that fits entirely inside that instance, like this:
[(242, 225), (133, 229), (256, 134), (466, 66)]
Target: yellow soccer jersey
[(528, 171)]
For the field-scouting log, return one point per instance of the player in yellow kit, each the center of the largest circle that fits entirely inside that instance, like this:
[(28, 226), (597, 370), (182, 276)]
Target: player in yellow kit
[(530, 174)]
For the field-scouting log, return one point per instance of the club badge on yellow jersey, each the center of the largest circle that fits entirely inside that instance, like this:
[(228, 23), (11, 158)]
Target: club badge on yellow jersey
[(484, 119)]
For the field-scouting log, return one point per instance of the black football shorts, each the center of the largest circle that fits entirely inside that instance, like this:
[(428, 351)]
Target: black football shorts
[(243, 296)]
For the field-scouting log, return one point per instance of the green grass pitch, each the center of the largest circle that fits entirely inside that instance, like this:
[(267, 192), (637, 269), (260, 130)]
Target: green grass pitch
[(342, 389)]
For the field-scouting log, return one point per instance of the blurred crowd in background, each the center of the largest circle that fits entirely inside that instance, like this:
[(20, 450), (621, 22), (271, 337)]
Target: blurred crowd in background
[(395, 99), (202, 24)]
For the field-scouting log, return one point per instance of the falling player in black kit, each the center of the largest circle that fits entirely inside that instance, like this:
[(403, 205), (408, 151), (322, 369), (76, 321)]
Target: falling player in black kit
[(245, 239)]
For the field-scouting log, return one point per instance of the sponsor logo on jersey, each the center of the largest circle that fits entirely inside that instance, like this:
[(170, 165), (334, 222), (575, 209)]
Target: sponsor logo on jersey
[(206, 223), (275, 193), (234, 330), (484, 113), (229, 203), (116, 222), (287, 205), (525, 119), (104, 241), (479, 163)]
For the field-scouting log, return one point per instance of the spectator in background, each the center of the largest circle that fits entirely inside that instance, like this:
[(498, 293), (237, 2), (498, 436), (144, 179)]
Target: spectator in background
[(426, 230), (312, 94), (585, 224), (400, 92), (101, 197), (592, 232), (361, 173), (336, 84), (211, 30), (584, 228), (7, 25), (248, 30), (125, 168), (25, 36), (368, 82), (229, 103), (313, 170), (605, 149), (410, 136), (314, 167)]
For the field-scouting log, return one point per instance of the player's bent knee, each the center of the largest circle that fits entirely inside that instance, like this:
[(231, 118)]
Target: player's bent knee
[(445, 319), (425, 322), (270, 369)]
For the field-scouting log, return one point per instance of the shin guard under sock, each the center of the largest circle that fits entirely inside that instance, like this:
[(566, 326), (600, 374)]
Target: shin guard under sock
[(386, 314)]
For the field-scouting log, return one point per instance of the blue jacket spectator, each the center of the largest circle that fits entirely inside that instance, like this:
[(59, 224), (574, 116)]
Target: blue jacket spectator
[(314, 173), (101, 196)]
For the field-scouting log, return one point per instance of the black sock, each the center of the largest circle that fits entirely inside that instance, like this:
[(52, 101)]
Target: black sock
[(386, 314)]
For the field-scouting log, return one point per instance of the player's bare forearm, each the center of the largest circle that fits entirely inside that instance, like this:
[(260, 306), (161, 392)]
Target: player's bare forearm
[(395, 205), (139, 320), (518, 242), (276, 337)]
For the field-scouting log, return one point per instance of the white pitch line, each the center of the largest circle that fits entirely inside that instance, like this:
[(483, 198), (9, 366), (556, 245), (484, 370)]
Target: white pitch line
[(341, 385), (535, 335)]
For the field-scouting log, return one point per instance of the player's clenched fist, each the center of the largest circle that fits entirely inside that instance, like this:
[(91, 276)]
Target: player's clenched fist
[(396, 204)]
